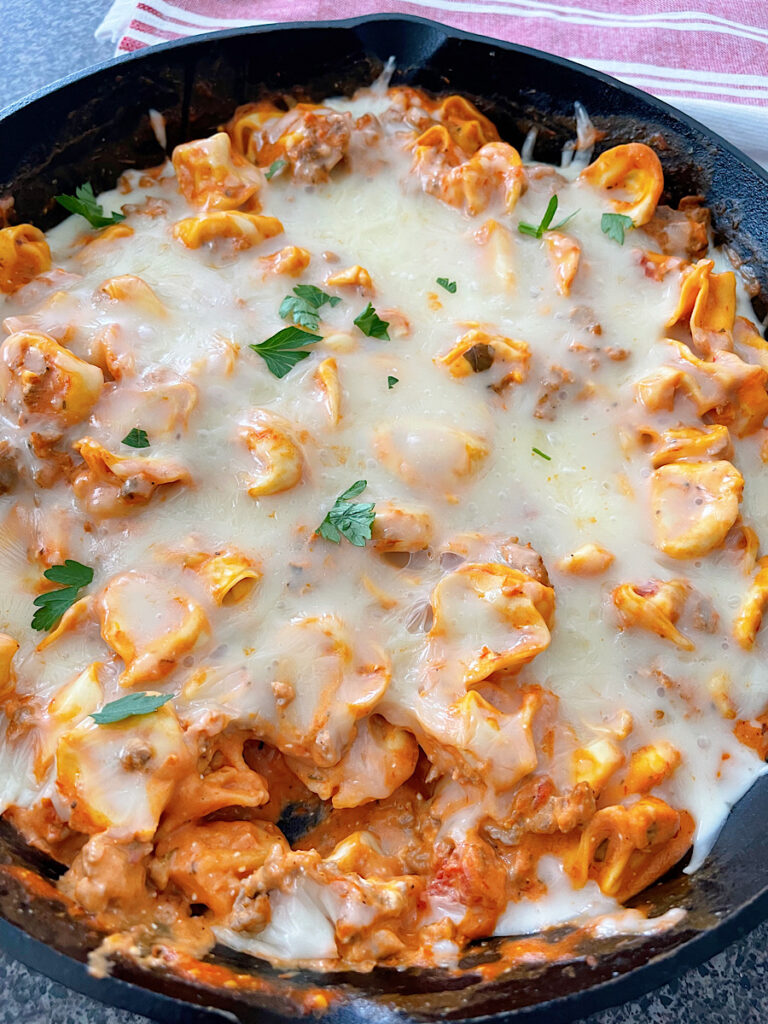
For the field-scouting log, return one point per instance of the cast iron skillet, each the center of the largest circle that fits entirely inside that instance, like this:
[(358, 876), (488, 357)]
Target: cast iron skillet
[(94, 125)]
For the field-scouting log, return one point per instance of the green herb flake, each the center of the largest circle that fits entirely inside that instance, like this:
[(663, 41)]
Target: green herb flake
[(275, 168), (541, 454), (285, 349), (52, 605), (297, 310), (561, 224), (314, 296), (136, 438), (546, 220), (129, 706), (352, 520), (83, 202), (391, 381), (614, 225), (450, 286), (302, 306), (371, 324)]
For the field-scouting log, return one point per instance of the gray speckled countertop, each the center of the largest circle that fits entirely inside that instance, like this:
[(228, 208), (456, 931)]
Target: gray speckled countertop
[(733, 986)]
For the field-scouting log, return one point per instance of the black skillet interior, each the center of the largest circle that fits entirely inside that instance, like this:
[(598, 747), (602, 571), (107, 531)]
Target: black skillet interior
[(94, 126)]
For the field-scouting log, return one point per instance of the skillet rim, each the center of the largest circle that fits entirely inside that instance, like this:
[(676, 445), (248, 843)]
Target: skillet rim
[(366, 19), (628, 985)]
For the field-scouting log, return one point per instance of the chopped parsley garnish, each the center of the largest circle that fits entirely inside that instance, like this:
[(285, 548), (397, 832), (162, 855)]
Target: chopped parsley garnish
[(309, 293), (136, 438), (302, 306), (541, 454), (391, 381), (546, 220), (450, 286), (129, 706), (564, 221), (274, 168), (52, 605), (283, 350), (371, 324), (84, 203), (352, 520), (614, 225)]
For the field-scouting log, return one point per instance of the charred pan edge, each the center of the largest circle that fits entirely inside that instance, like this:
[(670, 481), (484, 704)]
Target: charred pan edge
[(95, 125)]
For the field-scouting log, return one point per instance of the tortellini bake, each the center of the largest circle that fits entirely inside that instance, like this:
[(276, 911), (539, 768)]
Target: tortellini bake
[(381, 527)]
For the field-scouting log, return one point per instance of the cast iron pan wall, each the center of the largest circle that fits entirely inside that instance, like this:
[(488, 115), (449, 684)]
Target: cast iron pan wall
[(92, 127)]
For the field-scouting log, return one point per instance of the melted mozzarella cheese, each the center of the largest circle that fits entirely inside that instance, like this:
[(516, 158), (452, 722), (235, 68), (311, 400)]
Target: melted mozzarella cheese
[(560, 903), (321, 615)]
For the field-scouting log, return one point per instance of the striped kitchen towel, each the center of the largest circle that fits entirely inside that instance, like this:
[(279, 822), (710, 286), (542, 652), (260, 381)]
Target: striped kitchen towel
[(706, 57)]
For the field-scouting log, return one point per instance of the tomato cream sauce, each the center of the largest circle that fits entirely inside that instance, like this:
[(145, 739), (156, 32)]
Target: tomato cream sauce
[(531, 689)]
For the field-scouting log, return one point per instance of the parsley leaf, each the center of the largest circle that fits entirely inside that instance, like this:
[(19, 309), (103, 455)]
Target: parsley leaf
[(136, 438), (543, 455), (73, 574), (546, 220), (129, 706), (371, 324), (274, 168), (302, 306), (450, 286), (283, 350), (309, 293), (52, 605), (564, 221), (348, 519), (293, 308), (84, 203), (614, 225), (391, 381)]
